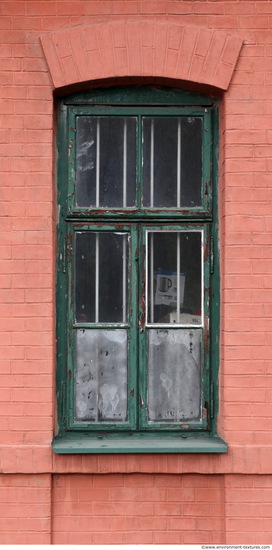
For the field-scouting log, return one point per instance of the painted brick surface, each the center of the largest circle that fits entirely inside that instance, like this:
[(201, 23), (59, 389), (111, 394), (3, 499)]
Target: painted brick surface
[(248, 509), (172, 499), (136, 508), (174, 51), (25, 509)]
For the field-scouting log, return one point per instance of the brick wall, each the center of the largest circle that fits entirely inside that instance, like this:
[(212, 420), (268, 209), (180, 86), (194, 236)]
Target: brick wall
[(130, 499), (25, 509), (137, 508), (248, 509)]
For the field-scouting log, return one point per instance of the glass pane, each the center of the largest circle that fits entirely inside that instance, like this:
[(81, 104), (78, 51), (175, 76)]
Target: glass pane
[(191, 161), (112, 281), (174, 375), (175, 257), (172, 162), (101, 287), (106, 161), (101, 375), (85, 277)]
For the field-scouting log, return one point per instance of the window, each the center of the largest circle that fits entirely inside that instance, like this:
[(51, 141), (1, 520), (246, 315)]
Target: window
[(137, 272)]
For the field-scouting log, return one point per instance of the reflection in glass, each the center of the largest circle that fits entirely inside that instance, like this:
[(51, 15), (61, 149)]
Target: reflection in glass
[(101, 375), (101, 279), (105, 161), (172, 162), (175, 277), (174, 379)]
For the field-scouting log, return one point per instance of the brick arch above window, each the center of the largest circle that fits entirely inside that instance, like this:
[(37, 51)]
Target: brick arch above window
[(141, 49)]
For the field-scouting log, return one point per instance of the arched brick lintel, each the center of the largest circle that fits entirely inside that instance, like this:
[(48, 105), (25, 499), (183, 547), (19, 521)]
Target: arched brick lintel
[(141, 49)]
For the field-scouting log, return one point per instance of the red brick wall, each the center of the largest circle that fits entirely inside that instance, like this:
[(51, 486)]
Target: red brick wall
[(248, 505), (138, 508), (25, 509), (135, 508), (186, 498)]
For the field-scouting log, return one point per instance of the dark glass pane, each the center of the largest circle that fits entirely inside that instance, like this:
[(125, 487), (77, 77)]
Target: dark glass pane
[(174, 375), (86, 161), (101, 375), (106, 161), (112, 287), (85, 277), (101, 277), (172, 162), (160, 135), (170, 253), (191, 161)]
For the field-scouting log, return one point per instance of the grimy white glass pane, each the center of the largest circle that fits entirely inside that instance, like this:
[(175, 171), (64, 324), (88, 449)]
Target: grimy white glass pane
[(175, 274), (105, 161), (101, 375), (101, 277), (172, 162), (174, 375)]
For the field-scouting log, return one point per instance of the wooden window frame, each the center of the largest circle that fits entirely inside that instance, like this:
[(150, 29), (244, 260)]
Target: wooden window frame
[(199, 437)]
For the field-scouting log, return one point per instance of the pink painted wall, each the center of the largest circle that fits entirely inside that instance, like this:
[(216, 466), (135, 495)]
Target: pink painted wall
[(126, 498)]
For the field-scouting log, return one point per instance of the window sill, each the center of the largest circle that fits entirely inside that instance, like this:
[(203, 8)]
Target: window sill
[(142, 443)]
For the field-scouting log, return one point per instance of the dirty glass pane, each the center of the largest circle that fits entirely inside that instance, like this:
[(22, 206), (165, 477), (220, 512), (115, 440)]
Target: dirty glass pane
[(101, 278), (172, 162), (85, 277), (175, 277), (112, 279), (101, 375), (105, 161), (174, 375), (191, 161)]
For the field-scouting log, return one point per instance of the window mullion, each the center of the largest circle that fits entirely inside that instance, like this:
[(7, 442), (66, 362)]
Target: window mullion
[(124, 281), (97, 235), (133, 309), (97, 278), (178, 277), (151, 274)]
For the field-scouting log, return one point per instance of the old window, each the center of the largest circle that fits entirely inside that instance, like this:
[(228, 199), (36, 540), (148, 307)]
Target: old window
[(137, 272)]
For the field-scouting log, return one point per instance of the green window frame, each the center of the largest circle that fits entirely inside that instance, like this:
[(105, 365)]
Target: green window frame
[(138, 272)]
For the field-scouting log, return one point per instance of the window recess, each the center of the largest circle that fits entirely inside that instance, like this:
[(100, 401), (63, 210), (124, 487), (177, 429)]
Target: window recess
[(138, 276)]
